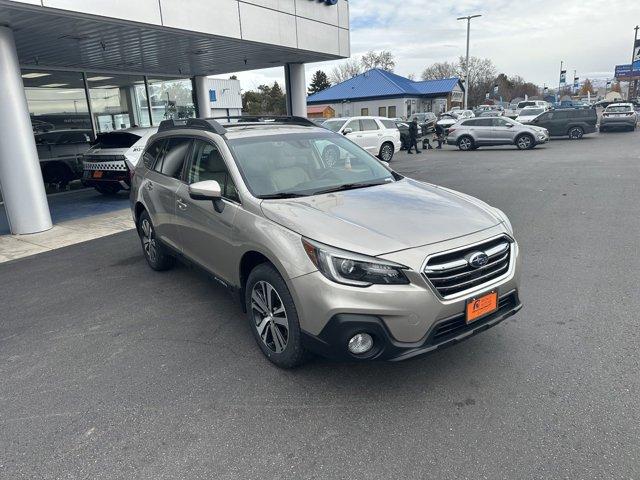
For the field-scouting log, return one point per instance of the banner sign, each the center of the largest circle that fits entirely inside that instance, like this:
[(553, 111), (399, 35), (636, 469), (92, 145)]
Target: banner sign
[(576, 82), (624, 72), (636, 54), (563, 78)]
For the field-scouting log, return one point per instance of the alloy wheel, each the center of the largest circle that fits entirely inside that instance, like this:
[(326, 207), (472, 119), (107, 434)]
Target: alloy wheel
[(387, 153), (465, 144), (524, 142), (270, 316), (148, 240), (575, 133)]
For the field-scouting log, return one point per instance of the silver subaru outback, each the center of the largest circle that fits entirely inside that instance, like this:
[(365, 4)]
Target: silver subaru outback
[(328, 249)]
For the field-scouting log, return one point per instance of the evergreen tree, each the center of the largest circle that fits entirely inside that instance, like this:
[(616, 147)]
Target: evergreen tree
[(319, 82)]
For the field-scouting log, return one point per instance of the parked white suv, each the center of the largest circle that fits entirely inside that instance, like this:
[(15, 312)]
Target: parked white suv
[(377, 135)]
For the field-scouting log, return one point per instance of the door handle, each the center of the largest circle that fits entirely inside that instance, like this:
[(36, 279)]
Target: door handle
[(181, 204)]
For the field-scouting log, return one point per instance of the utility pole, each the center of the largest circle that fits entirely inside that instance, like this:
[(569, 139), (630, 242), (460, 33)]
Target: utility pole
[(466, 73), (633, 57)]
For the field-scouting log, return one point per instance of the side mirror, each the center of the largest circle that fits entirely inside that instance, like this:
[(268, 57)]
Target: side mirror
[(509, 125), (347, 131), (207, 190)]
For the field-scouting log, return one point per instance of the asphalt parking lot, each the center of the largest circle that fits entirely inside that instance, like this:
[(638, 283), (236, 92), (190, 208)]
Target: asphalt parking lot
[(110, 370)]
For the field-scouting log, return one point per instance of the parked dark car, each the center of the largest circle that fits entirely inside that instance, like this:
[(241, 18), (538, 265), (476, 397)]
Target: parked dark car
[(571, 122), (404, 134), (426, 122), (60, 153)]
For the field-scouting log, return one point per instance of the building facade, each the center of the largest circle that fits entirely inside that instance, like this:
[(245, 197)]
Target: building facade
[(222, 97), (71, 69), (381, 93)]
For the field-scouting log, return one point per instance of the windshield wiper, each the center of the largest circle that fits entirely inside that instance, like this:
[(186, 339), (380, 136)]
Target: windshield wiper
[(274, 196), (349, 186)]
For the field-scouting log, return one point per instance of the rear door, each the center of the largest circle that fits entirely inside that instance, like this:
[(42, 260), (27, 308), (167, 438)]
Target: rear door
[(206, 228), (372, 135), (161, 184)]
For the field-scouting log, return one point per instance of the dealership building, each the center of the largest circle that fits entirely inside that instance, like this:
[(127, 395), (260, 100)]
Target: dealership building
[(385, 94), (83, 67)]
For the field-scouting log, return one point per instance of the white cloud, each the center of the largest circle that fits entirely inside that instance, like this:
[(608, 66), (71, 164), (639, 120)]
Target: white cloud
[(523, 37)]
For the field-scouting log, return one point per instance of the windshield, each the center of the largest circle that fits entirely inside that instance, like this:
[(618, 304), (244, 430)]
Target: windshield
[(526, 104), (334, 125), (280, 166), (531, 112), (619, 109), (116, 140)]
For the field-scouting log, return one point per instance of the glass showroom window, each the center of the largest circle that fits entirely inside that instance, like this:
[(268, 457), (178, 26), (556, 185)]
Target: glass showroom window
[(61, 124), (117, 101), (171, 98)]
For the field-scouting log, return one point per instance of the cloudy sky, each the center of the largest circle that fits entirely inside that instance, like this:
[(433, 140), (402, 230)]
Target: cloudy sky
[(522, 37)]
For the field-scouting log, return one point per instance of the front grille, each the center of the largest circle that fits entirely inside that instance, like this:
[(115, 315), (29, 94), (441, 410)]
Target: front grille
[(457, 325), (450, 273)]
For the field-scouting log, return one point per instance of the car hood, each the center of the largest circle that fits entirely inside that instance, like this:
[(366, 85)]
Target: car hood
[(385, 218)]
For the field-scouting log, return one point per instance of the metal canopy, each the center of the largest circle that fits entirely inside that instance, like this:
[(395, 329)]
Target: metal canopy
[(60, 39)]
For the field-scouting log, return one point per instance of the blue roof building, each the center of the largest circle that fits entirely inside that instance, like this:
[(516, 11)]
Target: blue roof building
[(382, 93)]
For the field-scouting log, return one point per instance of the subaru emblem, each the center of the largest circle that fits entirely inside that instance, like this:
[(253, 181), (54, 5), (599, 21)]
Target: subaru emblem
[(478, 259)]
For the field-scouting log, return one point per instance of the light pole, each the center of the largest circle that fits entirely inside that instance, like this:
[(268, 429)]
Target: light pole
[(633, 57), (466, 73)]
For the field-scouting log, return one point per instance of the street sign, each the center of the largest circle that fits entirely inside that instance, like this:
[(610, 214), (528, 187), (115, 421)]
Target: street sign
[(624, 72)]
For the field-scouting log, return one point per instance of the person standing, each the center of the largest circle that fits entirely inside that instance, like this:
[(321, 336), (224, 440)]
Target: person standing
[(413, 136)]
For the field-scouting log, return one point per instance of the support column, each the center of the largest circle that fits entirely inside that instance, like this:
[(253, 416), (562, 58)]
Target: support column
[(25, 200), (202, 97), (296, 86)]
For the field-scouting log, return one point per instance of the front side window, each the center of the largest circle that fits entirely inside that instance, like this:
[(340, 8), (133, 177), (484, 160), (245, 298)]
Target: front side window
[(389, 124), (207, 164), (174, 157), (354, 125), (484, 122), (306, 164)]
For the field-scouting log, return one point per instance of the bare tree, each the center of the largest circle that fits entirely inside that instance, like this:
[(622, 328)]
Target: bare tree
[(412, 77), (345, 70), (383, 60), (441, 70), (587, 87)]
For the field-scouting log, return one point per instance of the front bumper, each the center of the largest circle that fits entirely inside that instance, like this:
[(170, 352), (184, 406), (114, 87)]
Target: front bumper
[(405, 315), (332, 341)]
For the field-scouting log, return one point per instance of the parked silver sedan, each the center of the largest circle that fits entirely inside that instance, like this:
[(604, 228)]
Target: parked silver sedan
[(473, 133)]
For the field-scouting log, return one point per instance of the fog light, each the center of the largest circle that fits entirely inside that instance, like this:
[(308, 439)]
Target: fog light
[(360, 343)]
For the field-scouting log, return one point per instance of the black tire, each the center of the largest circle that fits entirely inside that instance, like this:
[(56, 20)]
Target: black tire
[(602, 129), (466, 143), (575, 133), (108, 190), (154, 252), (293, 354), (525, 142), (386, 152)]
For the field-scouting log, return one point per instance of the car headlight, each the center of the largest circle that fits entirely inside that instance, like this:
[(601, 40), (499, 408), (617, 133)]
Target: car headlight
[(502, 216), (354, 269)]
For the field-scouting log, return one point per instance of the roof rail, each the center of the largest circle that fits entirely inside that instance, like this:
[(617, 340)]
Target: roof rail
[(207, 124), (281, 119)]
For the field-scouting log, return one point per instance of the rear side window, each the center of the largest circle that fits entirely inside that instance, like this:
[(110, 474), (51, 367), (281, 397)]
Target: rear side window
[(174, 156), (484, 122), (389, 124), (369, 124), (153, 153)]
